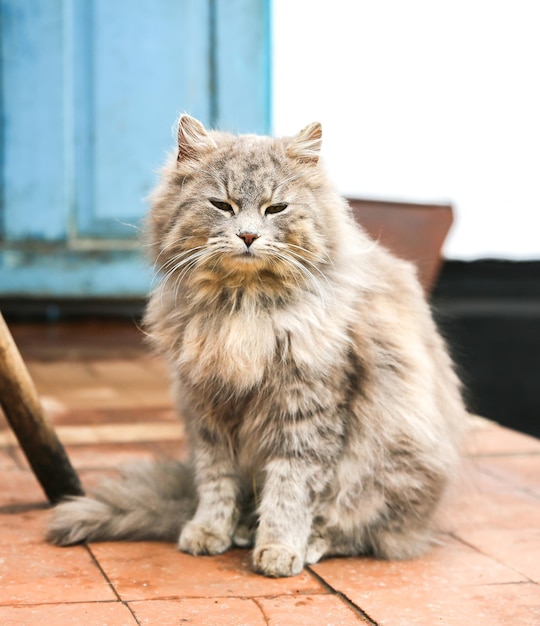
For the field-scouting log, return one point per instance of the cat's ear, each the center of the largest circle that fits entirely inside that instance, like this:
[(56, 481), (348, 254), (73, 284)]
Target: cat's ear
[(306, 146), (194, 142)]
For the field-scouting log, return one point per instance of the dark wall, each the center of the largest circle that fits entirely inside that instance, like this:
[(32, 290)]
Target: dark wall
[(489, 312)]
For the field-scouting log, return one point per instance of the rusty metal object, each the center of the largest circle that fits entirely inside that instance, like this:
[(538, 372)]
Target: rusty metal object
[(415, 232)]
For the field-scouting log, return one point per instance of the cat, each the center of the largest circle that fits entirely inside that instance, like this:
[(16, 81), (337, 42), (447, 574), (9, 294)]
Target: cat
[(321, 406)]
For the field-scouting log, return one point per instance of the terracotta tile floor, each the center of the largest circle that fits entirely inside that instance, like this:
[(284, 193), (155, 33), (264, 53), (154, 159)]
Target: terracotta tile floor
[(109, 402)]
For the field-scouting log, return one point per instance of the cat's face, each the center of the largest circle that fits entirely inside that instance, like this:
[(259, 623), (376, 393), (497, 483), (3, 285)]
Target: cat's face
[(244, 209)]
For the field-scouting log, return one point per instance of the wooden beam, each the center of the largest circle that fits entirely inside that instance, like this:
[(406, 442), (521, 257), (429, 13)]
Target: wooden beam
[(20, 402)]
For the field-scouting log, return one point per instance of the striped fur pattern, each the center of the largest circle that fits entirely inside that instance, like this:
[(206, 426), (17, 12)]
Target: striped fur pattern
[(322, 408)]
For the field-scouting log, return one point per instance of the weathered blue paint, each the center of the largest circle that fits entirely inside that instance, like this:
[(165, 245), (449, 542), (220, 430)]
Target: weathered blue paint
[(34, 160), (76, 274), (91, 90), (243, 65), (129, 92)]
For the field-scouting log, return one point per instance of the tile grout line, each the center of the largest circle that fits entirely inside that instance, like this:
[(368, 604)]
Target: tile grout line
[(496, 476), (255, 601), (105, 576), (457, 537), (27, 604), (96, 434), (486, 471), (508, 583), (356, 609)]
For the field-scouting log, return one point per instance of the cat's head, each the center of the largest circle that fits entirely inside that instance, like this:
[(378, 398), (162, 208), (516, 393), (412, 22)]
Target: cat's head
[(231, 210)]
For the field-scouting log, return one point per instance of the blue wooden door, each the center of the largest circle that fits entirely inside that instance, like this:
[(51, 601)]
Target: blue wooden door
[(90, 93)]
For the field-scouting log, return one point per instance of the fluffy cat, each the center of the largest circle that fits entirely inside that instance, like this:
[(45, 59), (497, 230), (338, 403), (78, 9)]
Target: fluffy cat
[(321, 406)]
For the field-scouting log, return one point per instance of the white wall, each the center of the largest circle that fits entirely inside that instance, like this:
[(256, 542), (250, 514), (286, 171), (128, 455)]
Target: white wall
[(422, 100)]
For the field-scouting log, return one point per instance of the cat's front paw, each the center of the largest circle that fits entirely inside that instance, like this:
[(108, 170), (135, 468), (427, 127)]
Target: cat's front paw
[(277, 560), (198, 539)]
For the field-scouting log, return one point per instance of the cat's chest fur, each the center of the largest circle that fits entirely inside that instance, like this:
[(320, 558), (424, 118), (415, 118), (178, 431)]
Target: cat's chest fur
[(241, 349)]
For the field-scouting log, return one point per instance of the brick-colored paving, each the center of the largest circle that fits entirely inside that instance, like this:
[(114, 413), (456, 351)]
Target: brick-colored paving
[(109, 401)]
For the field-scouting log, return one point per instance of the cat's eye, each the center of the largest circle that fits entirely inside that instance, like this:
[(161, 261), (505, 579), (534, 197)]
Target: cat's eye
[(275, 208), (222, 206)]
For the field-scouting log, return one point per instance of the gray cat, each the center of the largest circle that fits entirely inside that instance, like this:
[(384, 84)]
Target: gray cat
[(322, 409)]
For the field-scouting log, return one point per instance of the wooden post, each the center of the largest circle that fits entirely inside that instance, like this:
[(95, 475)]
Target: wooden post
[(38, 440)]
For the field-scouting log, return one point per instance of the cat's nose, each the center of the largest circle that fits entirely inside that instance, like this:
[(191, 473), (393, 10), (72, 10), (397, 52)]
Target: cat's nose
[(248, 238)]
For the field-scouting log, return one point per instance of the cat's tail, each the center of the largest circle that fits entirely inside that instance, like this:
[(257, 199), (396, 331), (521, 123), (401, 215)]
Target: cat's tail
[(152, 501)]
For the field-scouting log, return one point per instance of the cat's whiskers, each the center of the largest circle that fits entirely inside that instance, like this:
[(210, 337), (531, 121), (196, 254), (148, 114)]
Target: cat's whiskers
[(301, 258), (165, 248), (186, 264), (179, 256), (276, 261), (321, 258), (192, 263), (175, 262), (209, 255), (304, 271), (307, 266)]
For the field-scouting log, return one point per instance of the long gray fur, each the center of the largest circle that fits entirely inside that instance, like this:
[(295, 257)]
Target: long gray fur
[(323, 412)]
